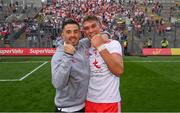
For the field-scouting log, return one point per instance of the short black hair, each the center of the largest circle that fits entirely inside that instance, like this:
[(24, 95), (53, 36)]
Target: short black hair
[(70, 21), (91, 17)]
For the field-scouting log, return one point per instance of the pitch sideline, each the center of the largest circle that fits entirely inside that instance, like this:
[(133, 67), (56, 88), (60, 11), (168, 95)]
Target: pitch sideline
[(25, 76)]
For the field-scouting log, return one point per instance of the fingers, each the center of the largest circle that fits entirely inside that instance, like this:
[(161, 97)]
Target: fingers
[(69, 49), (99, 39), (103, 37), (69, 42)]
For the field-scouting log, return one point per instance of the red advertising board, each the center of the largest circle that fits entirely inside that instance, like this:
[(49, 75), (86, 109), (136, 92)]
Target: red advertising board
[(27, 51), (156, 51)]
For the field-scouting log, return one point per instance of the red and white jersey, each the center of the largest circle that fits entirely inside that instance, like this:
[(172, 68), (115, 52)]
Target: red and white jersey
[(103, 85)]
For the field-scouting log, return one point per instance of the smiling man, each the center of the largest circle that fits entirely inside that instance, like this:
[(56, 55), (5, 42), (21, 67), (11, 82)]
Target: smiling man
[(70, 70), (106, 66)]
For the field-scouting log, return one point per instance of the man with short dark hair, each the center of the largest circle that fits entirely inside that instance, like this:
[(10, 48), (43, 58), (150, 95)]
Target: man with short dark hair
[(70, 70)]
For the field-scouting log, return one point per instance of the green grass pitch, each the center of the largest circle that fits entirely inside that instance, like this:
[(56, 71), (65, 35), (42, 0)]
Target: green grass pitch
[(149, 84)]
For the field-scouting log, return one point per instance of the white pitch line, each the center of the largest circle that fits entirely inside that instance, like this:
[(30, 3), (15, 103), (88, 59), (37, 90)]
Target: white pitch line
[(32, 71), (13, 80), (9, 80), (124, 61), (22, 62), (154, 61)]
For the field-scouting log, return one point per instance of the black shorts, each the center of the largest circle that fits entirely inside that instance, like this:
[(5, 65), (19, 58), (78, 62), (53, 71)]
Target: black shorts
[(59, 111)]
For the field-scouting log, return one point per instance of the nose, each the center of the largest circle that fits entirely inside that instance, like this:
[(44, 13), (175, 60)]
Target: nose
[(90, 30), (72, 34)]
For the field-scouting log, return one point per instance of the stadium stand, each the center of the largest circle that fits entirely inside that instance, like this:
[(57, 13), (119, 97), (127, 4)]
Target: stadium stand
[(134, 20)]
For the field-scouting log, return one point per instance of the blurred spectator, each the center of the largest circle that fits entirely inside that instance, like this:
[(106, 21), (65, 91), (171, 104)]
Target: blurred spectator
[(149, 43), (125, 45), (164, 43)]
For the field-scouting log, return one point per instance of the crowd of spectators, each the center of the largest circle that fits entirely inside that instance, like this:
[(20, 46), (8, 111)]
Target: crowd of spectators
[(107, 11), (117, 18), (10, 31), (14, 20)]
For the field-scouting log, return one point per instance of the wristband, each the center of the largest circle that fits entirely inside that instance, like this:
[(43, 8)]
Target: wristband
[(101, 47)]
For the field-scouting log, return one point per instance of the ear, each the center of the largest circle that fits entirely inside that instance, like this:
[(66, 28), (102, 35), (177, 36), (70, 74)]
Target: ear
[(101, 26), (62, 35)]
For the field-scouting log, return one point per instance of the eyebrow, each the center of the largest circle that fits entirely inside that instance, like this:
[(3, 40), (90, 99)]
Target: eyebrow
[(91, 24), (68, 30)]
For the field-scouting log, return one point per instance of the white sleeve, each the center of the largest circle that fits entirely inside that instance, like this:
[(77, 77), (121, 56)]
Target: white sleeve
[(114, 47)]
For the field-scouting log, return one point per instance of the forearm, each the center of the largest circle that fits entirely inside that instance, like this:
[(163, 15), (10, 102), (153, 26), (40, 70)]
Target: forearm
[(60, 71), (114, 64)]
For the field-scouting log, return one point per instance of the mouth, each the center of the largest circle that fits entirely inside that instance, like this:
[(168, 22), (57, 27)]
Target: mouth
[(73, 41), (92, 34)]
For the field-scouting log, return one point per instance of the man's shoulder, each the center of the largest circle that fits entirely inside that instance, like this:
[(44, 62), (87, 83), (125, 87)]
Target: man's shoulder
[(114, 42), (59, 50), (85, 42)]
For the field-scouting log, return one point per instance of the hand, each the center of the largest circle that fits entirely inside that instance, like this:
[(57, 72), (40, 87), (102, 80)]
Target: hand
[(99, 39), (69, 49)]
